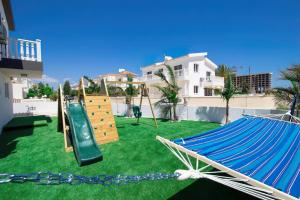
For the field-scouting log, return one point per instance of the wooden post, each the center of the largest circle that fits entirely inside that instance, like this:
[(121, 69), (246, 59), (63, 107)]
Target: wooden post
[(141, 100), (62, 113), (83, 89), (105, 87), (154, 118)]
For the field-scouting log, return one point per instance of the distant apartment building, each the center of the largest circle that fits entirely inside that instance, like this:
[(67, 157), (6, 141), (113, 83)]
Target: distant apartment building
[(121, 76), (258, 83), (195, 74), (19, 58)]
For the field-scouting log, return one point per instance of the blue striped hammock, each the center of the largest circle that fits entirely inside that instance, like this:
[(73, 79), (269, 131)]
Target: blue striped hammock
[(262, 151)]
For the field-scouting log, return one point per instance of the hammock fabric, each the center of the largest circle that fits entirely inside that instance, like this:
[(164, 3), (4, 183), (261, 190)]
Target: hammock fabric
[(264, 149)]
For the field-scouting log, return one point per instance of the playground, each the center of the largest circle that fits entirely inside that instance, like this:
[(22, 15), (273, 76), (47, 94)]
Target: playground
[(41, 148)]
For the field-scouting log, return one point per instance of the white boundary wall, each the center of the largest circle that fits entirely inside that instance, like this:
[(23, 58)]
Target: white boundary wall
[(201, 113), (27, 107), (6, 107), (195, 109)]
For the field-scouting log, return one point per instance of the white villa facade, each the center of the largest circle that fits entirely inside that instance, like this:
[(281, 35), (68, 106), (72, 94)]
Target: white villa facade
[(19, 58), (20, 86), (195, 75), (121, 76)]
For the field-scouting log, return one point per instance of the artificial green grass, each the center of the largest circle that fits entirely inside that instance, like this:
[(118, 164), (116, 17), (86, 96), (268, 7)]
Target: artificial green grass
[(22, 122), (137, 152)]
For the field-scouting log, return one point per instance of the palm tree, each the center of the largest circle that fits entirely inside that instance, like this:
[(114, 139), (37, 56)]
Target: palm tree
[(93, 87), (114, 91), (224, 71), (130, 91), (285, 95), (227, 93), (169, 91)]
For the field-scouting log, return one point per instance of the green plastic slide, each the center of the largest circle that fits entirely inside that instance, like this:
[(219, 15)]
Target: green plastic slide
[(84, 144)]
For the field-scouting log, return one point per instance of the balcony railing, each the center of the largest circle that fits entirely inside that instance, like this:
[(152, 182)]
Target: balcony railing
[(179, 73), (22, 49), (212, 81)]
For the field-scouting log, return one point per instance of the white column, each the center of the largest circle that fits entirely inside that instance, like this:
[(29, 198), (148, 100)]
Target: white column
[(22, 49), (16, 49), (32, 51), (38, 50), (27, 51)]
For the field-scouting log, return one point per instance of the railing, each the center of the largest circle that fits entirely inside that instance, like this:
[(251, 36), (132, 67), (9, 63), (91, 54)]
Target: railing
[(22, 49), (212, 81), (150, 77), (179, 73)]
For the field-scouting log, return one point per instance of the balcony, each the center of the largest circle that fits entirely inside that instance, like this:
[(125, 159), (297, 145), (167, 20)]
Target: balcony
[(20, 56), (150, 77), (215, 82), (180, 75), (25, 49)]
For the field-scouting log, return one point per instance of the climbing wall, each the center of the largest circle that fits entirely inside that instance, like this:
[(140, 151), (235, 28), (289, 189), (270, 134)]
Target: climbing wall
[(101, 117)]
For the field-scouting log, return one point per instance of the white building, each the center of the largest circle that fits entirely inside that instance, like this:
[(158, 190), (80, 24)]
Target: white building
[(195, 75), (18, 58), (121, 76), (20, 86)]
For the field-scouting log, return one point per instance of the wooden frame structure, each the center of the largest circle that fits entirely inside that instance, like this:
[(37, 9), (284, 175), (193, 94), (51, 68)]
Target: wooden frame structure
[(144, 93), (62, 126), (99, 111)]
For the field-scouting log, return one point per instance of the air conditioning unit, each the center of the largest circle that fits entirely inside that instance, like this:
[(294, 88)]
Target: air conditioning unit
[(202, 79)]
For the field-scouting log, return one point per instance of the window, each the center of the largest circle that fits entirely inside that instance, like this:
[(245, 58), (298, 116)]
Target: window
[(6, 90), (150, 72), (207, 92), (196, 66), (196, 89), (178, 67), (208, 76)]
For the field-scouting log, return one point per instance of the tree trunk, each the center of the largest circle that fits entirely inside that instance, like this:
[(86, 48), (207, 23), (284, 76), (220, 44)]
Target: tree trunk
[(227, 111), (170, 112), (174, 112), (129, 107)]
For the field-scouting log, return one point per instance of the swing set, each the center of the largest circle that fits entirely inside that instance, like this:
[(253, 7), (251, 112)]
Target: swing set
[(144, 92)]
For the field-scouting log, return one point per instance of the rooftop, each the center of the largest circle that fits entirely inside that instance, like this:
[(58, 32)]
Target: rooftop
[(168, 59), (122, 73)]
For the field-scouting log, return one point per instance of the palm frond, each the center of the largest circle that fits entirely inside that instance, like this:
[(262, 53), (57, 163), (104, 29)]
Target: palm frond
[(162, 76), (292, 73), (288, 90), (171, 74)]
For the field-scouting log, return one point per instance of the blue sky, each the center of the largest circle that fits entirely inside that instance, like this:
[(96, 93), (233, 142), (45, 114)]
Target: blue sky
[(93, 37)]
